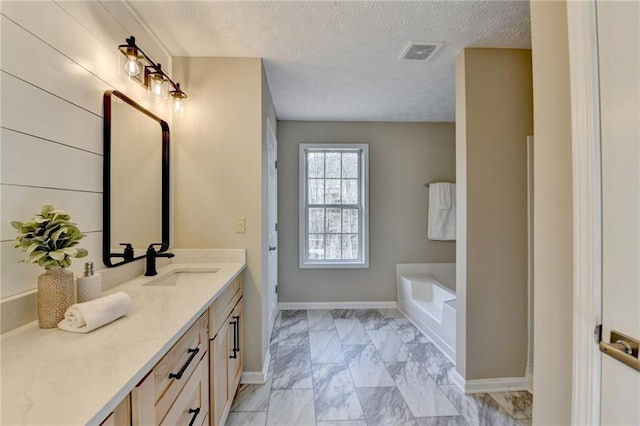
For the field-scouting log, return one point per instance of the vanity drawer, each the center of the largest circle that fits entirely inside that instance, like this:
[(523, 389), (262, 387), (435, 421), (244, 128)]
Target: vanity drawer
[(192, 405), (173, 371), (223, 305)]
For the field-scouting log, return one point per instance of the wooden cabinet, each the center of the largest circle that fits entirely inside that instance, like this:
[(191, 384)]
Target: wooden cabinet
[(226, 353), (176, 391), (195, 382), (234, 365), (121, 416), (192, 403)]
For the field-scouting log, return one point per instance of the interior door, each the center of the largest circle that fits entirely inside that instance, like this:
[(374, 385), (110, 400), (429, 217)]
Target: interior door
[(272, 226), (619, 68)]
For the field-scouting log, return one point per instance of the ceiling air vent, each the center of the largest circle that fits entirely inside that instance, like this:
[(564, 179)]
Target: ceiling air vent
[(419, 51)]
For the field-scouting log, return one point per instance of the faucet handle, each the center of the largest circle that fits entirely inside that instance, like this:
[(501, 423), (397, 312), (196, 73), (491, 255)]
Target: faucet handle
[(152, 245), (128, 252)]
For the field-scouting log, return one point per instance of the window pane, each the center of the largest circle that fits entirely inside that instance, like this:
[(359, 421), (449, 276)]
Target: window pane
[(316, 221), (350, 165), (350, 191), (332, 191), (334, 249), (333, 165), (316, 246), (333, 205), (350, 247), (316, 191), (334, 219), (350, 220), (315, 164)]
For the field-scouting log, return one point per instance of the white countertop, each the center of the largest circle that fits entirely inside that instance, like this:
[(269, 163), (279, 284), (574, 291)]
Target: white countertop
[(55, 377)]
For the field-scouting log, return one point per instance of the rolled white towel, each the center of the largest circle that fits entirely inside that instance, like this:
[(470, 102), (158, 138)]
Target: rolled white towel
[(87, 316)]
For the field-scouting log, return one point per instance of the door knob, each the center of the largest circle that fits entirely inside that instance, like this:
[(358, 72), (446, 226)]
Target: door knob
[(623, 348)]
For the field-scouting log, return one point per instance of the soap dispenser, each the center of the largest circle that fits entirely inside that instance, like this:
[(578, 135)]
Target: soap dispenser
[(89, 285)]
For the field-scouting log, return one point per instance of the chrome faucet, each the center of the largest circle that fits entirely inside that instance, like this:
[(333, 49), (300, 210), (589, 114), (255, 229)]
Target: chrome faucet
[(151, 256)]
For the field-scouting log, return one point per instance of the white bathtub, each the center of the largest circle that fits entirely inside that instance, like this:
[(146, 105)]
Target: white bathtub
[(426, 295)]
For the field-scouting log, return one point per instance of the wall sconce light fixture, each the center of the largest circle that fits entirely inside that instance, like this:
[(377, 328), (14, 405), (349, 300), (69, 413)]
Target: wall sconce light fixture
[(136, 65)]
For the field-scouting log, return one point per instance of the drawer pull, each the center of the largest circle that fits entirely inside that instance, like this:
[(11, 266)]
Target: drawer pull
[(179, 374), (234, 323), (195, 412), (236, 346)]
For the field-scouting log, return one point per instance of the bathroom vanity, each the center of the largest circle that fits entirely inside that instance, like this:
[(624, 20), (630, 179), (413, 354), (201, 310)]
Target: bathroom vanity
[(175, 359)]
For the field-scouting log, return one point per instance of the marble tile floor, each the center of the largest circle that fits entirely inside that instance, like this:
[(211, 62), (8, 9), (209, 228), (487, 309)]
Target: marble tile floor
[(364, 367)]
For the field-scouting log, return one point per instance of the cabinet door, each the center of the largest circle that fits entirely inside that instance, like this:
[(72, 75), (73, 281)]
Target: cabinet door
[(234, 370), (219, 354)]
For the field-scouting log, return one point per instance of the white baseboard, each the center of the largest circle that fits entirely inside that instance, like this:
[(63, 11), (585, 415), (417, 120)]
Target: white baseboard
[(337, 305), (252, 378), (257, 377), (458, 380), (504, 384)]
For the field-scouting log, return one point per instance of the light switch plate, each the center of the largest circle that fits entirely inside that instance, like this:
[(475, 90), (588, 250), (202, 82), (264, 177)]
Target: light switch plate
[(241, 225)]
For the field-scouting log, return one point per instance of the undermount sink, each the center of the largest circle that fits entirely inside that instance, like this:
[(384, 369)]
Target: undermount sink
[(183, 277)]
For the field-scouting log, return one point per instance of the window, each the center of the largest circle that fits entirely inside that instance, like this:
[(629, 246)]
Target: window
[(334, 208)]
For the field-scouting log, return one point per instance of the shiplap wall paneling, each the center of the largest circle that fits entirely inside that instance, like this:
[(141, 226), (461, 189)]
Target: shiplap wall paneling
[(89, 33), (86, 207), (31, 110), (57, 59)]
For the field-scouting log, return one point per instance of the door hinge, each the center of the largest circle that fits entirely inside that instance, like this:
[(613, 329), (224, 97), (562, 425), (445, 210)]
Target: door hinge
[(276, 164), (597, 333), (276, 289), (276, 227)]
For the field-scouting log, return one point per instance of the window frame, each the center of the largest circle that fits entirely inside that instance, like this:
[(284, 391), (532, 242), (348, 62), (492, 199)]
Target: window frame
[(304, 261)]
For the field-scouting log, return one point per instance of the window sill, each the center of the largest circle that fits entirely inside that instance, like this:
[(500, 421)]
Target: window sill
[(312, 265)]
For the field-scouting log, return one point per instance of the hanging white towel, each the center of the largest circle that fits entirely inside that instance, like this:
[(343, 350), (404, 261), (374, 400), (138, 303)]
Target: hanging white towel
[(87, 316), (442, 212)]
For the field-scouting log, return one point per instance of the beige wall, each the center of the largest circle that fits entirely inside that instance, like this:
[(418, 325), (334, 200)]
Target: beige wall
[(494, 119), (218, 171), (402, 157), (553, 224)]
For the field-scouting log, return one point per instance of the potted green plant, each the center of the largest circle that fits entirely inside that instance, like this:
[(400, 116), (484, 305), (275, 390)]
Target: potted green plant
[(50, 240)]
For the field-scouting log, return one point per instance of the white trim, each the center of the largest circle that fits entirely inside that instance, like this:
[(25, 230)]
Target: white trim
[(252, 378), (337, 305), (530, 382), (587, 244), (257, 377), (267, 289), (530, 256), (458, 380), (363, 205), (503, 384)]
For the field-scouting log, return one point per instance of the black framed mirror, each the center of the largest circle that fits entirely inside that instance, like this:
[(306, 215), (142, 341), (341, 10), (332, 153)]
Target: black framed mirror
[(136, 180)]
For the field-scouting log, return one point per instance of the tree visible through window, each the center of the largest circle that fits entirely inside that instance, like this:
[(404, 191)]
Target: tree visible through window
[(333, 205)]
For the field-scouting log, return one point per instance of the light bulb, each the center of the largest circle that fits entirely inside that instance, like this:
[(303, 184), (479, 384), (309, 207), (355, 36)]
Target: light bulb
[(178, 106), (158, 88), (132, 66)]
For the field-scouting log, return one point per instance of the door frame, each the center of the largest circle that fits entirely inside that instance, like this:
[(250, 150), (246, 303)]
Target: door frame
[(268, 321), (587, 211)]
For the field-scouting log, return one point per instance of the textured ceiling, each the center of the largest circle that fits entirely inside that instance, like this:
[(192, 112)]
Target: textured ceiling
[(338, 61)]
